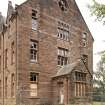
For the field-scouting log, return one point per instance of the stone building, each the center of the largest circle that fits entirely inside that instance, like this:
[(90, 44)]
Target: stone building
[(46, 54)]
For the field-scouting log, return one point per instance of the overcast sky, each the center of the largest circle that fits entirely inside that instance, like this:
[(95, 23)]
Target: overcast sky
[(96, 28)]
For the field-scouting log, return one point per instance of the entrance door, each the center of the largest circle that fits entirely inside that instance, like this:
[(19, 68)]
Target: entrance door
[(61, 93)]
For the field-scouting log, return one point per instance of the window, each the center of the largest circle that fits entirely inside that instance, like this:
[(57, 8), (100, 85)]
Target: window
[(62, 56), (5, 87), (0, 42), (33, 92), (33, 51), (0, 63), (12, 85), (34, 20), (80, 76), (33, 77), (34, 83), (0, 89), (63, 5), (84, 39), (85, 59), (80, 84), (6, 52), (63, 31), (12, 53)]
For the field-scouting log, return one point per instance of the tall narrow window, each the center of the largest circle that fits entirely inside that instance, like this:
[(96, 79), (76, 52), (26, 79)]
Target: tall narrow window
[(85, 59), (0, 63), (62, 56), (84, 39), (34, 20), (0, 41), (0, 89), (6, 52), (33, 84), (12, 85), (33, 51), (12, 53), (80, 84), (6, 87)]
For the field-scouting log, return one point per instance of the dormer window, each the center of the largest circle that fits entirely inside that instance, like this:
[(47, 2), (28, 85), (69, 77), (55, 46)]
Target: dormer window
[(34, 20)]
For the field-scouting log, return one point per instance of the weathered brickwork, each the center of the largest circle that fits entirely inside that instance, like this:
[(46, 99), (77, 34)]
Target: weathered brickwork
[(53, 86)]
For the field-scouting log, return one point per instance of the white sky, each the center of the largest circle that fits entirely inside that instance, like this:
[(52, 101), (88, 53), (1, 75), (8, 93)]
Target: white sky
[(96, 28)]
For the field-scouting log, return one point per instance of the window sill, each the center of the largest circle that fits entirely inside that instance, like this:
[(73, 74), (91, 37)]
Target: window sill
[(34, 29), (33, 61), (63, 39), (34, 97), (59, 66), (34, 82)]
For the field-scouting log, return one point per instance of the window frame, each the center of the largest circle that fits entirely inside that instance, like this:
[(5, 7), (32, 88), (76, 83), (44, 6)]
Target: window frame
[(6, 87), (12, 85), (33, 51), (62, 56), (6, 58), (63, 31), (34, 20), (80, 85), (34, 90), (12, 52), (36, 76), (84, 39)]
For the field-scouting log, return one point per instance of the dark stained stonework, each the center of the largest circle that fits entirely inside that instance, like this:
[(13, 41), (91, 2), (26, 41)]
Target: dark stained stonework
[(53, 85)]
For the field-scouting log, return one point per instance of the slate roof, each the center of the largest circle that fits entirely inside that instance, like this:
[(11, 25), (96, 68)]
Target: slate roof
[(67, 69)]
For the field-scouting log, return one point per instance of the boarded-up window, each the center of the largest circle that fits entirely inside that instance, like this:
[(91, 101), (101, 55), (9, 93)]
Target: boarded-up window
[(33, 84), (33, 90), (34, 20)]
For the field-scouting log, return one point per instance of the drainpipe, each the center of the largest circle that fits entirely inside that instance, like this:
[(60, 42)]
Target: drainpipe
[(3, 66), (16, 63)]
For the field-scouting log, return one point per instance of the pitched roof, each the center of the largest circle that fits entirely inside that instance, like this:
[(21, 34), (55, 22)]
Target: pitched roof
[(67, 69)]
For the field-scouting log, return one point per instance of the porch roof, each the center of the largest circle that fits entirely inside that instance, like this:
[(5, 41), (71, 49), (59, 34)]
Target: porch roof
[(66, 69)]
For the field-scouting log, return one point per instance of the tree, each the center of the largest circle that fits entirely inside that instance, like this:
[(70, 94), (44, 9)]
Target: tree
[(99, 80), (98, 10)]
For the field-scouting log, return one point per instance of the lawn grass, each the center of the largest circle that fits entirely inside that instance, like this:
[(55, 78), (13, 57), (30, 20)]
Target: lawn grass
[(96, 103)]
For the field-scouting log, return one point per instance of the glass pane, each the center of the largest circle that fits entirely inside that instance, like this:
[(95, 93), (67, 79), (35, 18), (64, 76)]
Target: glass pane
[(34, 24)]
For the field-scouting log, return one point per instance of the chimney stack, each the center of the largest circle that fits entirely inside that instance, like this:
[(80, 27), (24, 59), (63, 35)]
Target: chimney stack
[(10, 9)]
